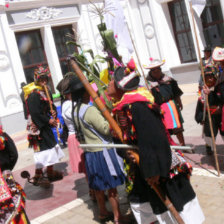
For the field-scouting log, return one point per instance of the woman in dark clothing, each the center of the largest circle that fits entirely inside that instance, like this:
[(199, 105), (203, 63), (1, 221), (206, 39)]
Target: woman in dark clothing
[(12, 196), (141, 123), (167, 94)]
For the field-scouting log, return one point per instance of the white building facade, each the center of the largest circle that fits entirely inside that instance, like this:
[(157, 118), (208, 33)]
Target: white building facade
[(34, 32)]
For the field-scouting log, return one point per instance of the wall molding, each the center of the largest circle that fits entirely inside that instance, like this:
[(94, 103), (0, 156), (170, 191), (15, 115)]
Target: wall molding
[(44, 13), (41, 23)]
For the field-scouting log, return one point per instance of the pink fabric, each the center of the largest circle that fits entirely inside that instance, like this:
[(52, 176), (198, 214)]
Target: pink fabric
[(76, 155), (168, 120)]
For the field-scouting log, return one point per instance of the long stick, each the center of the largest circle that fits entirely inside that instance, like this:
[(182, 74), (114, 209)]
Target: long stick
[(206, 97), (96, 99), (51, 108), (138, 58), (118, 131)]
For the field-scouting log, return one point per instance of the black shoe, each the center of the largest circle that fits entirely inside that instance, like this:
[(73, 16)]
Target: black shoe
[(209, 151)]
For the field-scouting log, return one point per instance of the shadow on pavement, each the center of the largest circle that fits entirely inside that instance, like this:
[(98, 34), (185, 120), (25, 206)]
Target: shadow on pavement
[(63, 167), (81, 187), (37, 193), (202, 160)]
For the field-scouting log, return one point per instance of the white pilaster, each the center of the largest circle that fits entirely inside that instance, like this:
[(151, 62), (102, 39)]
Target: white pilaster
[(51, 53), (222, 7), (11, 70)]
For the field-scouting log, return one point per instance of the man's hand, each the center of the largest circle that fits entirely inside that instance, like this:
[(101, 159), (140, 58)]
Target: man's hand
[(206, 90), (153, 180), (53, 122), (53, 113)]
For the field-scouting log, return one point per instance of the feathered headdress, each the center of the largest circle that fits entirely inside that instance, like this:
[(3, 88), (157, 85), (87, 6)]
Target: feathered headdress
[(41, 71)]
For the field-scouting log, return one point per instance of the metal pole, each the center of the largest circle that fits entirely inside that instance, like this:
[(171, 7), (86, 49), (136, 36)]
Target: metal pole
[(125, 146)]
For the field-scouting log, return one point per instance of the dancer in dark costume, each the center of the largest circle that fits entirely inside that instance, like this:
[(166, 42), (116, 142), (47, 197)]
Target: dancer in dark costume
[(167, 94), (141, 123), (40, 121), (214, 89)]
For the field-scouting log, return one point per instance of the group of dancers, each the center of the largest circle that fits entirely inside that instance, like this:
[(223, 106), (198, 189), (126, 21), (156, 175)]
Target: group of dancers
[(147, 117)]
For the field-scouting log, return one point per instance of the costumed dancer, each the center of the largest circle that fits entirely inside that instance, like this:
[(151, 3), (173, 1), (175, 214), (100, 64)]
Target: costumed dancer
[(12, 196), (141, 123), (167, 94), (40, 136), (103, 167), (214, 88), (206, 60)]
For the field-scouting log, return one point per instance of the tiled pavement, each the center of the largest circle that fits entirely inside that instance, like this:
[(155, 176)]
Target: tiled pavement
[(67, 201)]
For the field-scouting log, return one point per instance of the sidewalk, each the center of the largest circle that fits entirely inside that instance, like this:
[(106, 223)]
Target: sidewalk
[(67, 201)]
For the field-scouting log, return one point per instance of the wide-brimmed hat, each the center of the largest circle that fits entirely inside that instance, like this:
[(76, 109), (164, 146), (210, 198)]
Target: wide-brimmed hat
[(218, 54), (154, 63), (126, 79)]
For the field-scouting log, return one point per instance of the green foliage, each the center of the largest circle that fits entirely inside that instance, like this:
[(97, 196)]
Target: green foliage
[(91, 70)]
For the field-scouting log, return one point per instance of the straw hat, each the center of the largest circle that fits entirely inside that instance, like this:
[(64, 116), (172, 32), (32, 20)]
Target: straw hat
[(218, 54), (154, 63)]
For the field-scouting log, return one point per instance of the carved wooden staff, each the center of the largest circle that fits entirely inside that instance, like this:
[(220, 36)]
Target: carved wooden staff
[(118, 131), (51, 108)]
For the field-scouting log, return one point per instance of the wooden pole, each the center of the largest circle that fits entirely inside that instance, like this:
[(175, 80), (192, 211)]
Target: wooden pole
[(51, 108), (118, 131), (96, 99), (138, 58), (206, 97)]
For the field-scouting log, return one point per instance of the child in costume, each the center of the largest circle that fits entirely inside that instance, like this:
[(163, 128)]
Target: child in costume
[(12, 196), (40, 121), (103, 166), (167, 94), (141, 123)]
